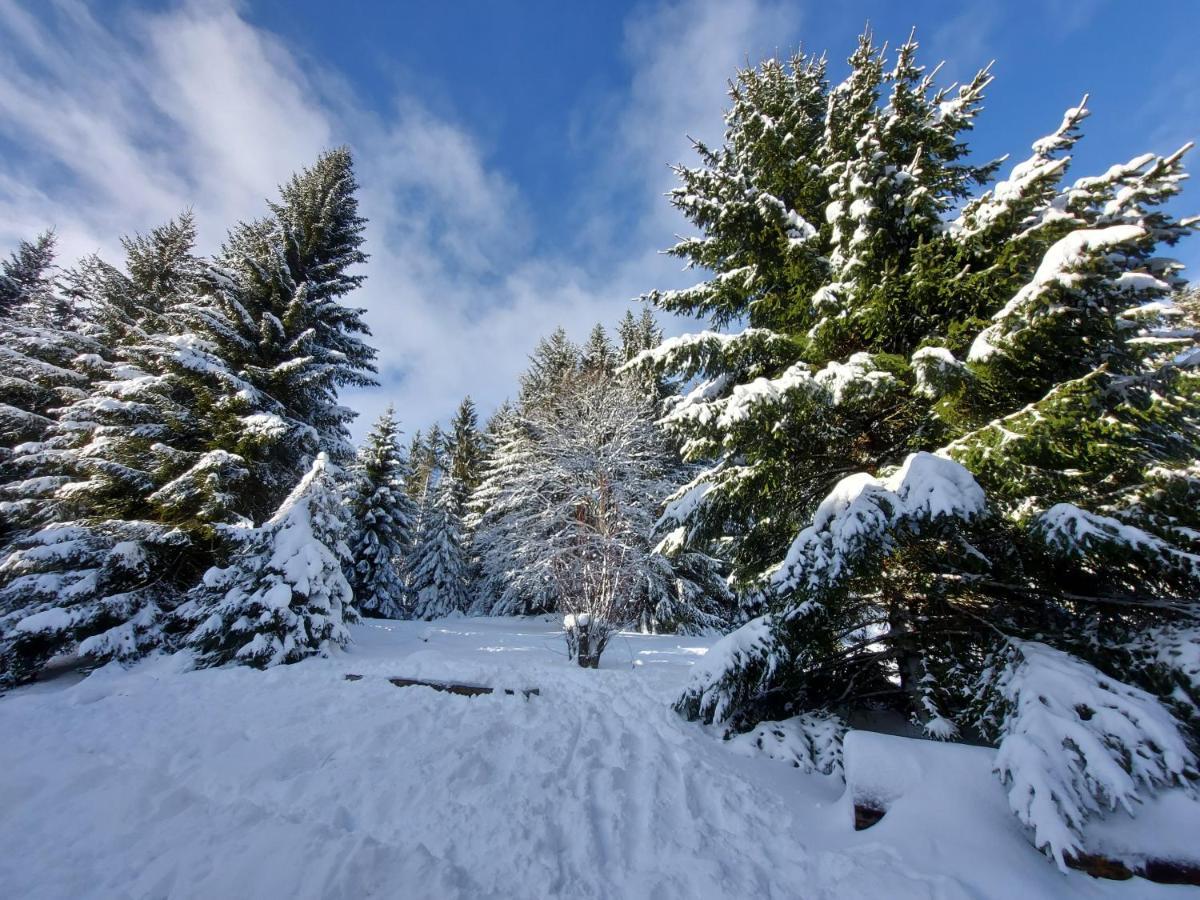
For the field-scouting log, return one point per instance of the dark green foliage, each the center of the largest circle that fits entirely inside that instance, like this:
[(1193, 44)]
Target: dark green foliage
[(899, 330)]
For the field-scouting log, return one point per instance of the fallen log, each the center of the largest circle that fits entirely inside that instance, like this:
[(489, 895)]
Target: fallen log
[(453, 687)]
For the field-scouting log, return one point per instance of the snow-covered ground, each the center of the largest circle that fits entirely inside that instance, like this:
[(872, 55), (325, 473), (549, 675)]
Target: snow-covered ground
[(161, 782)]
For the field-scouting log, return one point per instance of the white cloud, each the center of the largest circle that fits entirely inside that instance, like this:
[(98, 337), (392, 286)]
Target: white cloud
[(119, 124)]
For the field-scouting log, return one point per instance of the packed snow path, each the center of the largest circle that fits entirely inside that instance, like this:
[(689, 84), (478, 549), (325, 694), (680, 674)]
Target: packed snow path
[(161, 782)]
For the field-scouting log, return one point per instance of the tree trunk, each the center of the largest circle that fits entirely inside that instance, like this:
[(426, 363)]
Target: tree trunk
[(587, 655)]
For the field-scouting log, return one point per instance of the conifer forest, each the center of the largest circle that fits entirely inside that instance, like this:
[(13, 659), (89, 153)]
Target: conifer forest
[(862, 562)]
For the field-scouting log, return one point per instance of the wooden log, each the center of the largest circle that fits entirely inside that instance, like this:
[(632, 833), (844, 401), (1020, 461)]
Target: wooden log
[(866, 815), (452, 687)]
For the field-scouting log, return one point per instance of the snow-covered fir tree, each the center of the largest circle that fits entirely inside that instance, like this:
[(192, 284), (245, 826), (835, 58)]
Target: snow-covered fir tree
[(439, 567), (637, 334), (492, 506), (284, 597), (598, 353), (29, 290), (554, 358), (426, 461), (46, 362), (948, 452), (200, 400), (138, 490), (382, 520), (279, 284)]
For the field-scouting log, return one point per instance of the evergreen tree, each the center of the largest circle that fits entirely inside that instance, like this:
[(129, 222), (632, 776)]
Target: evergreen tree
[(945, 454), (138, 489), (439, 566), (279, 286), (383, 521), (491, 507), (284, 597), (553, 359), (629, 336), (29, 292), (216, 386), (464, 452), (649, 334), (414, 482), (46, 362), (426, 463), (598, 354)]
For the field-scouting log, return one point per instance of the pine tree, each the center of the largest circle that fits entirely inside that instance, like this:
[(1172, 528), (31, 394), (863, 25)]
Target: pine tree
[(284, 597), (439, 566), (279, 287), (383, 521), (138, 491), (464, 452), (941, 440), (598, 354), (553, 359)]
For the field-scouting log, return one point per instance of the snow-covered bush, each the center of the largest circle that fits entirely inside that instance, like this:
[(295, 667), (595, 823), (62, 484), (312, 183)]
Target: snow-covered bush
[(811, 742), (284, 596)]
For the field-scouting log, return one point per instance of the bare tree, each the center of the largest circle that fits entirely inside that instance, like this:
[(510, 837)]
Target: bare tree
[(594, 579)]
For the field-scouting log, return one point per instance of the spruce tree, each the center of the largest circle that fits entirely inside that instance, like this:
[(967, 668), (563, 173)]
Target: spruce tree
[(414, 484), (464, 451), (212, 389), (629, 336), (29, 291), (553, 359), (279, 287), (946, 455), (383, 520), (284, 596), (47, 361), (492, 508), (598, 354), (439, 565), (139, 491)]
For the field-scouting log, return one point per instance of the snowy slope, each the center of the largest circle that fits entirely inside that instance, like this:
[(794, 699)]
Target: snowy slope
[(159, 782)]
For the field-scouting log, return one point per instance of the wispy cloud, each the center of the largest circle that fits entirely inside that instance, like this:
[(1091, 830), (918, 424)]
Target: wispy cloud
[(114, 126)]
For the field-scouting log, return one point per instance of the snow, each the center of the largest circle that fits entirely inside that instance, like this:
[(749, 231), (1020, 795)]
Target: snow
[(293, 782), (1060, 267), (1077, 532), (1079, 743), (861, 510), (57, 619), (932, 368), (837, 383)]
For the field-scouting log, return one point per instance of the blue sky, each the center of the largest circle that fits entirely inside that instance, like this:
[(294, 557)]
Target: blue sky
[(513, 155)]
